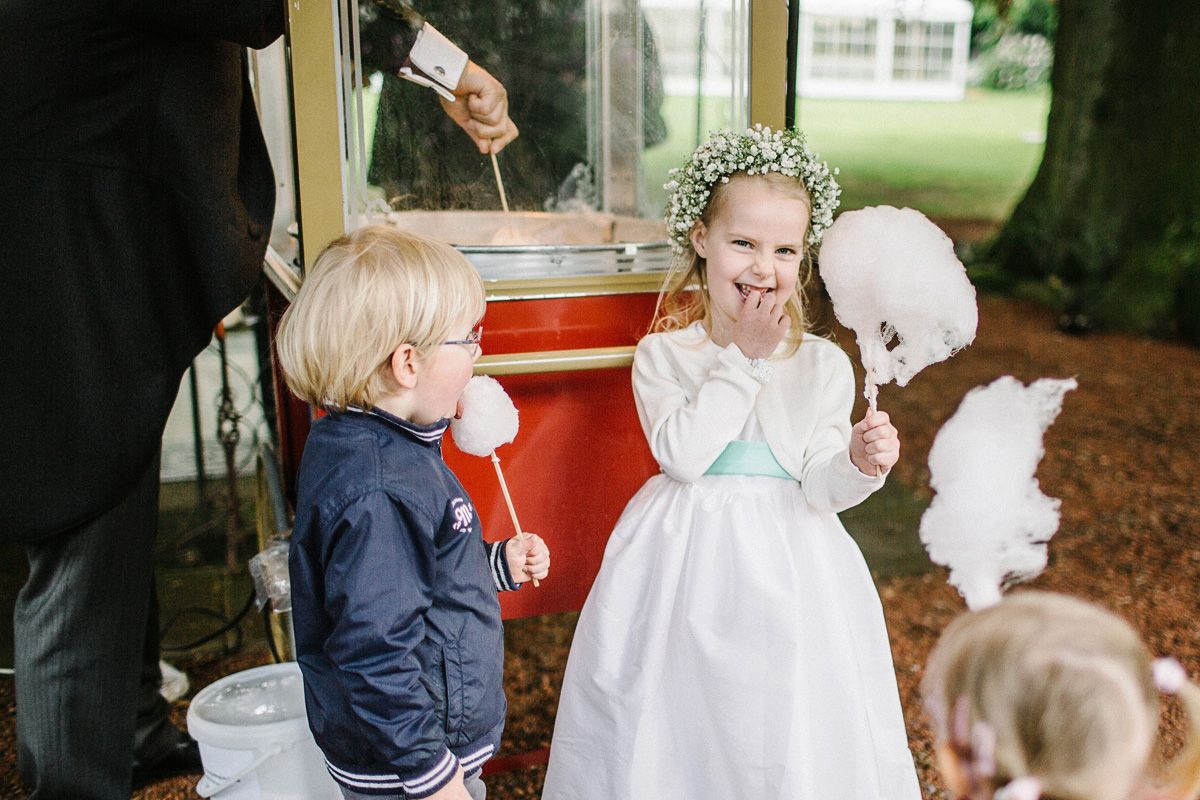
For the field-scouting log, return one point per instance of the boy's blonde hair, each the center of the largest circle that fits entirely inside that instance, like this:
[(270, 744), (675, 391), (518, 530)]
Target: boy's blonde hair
[(369, 292), (1068, 691), (684, 296)]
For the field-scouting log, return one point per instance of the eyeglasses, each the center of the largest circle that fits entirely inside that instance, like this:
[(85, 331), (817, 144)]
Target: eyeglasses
[(474, 340)]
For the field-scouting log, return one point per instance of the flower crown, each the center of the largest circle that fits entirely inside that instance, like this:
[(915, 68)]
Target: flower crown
[(757, 151)]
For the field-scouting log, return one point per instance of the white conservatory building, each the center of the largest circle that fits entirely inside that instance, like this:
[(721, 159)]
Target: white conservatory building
[(884, 49)]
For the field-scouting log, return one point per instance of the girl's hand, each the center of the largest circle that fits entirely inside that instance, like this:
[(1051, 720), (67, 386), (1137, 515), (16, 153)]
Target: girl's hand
[(874, 443), (527, 561), (761, 326)]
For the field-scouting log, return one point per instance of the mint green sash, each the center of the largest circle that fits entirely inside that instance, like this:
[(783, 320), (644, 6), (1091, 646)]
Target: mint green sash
[(747, 458)]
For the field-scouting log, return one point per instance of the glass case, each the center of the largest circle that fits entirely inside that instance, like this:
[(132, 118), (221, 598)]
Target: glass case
[(607, 95)]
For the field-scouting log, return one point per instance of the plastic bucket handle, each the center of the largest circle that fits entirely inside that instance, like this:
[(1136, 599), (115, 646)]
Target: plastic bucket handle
[(207, 787)]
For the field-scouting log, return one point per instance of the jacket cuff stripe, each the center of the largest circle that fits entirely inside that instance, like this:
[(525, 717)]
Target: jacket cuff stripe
[(426, 784), (506, 582), (474, 760), (494, 549), (363, 781), (433, 780), (497, 556), (500, 574)]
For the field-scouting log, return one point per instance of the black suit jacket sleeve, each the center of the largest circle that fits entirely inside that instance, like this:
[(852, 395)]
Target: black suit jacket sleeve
[(251, 23), (136, 196)]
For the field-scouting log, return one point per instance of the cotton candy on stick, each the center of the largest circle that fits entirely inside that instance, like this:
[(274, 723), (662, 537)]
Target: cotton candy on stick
[(487, 420), (892, 274), (989, 522)]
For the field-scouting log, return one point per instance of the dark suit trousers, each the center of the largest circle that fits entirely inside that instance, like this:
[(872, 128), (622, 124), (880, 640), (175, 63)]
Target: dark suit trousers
[(86, 667)]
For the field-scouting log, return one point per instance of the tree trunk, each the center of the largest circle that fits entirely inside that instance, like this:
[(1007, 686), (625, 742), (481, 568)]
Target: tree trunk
[(1112, 219)]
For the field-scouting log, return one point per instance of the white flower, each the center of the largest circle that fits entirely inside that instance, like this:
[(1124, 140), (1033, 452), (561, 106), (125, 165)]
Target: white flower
[(757, 151)]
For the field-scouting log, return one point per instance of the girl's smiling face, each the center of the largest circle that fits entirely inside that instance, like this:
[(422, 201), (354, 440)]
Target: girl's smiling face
[(754, 244)]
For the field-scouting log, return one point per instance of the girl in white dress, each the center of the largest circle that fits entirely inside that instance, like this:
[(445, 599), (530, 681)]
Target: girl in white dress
[(733, 645)]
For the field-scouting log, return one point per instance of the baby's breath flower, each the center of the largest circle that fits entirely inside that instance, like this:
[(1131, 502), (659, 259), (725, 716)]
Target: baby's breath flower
[(758, 150)]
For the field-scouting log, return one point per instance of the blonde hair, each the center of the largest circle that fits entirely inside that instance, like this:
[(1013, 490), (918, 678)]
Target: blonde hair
[(1067, 689), (369, 292), (679, 304)]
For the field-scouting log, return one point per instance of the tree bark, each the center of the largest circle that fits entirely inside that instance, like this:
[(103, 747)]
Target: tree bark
[(1112, 218)]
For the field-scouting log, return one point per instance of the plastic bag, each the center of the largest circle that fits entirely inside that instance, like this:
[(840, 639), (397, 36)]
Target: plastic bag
[(272, 584)]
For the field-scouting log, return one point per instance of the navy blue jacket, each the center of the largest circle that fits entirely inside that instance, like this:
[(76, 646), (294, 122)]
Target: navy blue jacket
[(398, 630)]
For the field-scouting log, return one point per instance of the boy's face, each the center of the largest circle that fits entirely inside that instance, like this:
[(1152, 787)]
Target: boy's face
[(443, 376)]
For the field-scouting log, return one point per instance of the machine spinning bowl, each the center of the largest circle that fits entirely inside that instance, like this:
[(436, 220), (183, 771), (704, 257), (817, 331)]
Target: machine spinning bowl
[(539, 244)]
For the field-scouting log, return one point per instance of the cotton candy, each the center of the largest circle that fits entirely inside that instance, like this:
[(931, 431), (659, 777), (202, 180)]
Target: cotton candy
[(989, 522), (488, 418), (892, 275)]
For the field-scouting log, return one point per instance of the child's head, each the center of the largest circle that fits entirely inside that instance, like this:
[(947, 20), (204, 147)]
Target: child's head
[(376, 301), (1054, 693), (745, 213)]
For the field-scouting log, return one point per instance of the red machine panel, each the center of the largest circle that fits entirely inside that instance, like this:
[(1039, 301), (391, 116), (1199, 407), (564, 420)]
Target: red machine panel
[(579, 454)]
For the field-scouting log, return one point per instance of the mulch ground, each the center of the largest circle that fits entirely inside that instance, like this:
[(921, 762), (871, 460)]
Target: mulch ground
[(1122, 457)]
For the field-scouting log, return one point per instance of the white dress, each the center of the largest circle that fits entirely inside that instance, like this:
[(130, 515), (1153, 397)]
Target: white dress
[(733, 645)]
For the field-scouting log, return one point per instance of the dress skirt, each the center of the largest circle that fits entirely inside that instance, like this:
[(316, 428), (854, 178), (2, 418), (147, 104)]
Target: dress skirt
[(733, 646)]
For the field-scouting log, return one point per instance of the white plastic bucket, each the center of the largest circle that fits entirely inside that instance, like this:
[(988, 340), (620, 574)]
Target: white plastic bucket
[(254, 738)]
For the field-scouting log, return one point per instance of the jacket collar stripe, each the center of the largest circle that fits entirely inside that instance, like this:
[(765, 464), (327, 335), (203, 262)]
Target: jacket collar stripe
[(425, 433)]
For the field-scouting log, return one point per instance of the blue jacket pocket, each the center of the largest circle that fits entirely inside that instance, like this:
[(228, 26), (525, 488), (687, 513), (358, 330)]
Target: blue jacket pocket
[(455, 702)]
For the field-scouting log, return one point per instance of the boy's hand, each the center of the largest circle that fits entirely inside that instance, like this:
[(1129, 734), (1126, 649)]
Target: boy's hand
[(527, 561), (761, 326), (456, 789), (480, 108), (874, 443)]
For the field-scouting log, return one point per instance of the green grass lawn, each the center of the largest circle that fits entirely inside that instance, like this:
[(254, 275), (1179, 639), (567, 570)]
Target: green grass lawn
[(971, 159), (680, 114)]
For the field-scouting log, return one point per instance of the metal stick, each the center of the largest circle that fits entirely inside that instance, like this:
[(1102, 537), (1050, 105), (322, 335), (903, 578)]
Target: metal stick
[(508, 500)]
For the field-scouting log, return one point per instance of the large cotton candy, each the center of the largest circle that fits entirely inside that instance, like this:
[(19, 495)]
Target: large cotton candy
[(488, 418), (892, 273), (989, 522)]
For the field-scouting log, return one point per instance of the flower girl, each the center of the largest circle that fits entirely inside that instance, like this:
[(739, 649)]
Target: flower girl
[(733, 645)]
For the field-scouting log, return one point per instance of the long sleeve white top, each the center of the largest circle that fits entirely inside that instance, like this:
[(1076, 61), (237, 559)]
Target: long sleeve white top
[(694, 397)]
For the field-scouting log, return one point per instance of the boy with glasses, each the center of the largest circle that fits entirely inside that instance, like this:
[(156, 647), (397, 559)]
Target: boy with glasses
[(398, 630)]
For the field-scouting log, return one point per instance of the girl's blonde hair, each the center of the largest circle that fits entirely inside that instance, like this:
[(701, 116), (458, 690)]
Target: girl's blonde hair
[(684, 296), (1067, 690), (369, 292)]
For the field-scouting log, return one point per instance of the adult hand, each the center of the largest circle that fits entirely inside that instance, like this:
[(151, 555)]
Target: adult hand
[(527, 560), (480, 108), (874, 442), (761, 326)]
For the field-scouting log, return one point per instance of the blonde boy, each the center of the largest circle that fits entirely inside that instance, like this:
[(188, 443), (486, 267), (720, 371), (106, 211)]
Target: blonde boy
[(398, 629)]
